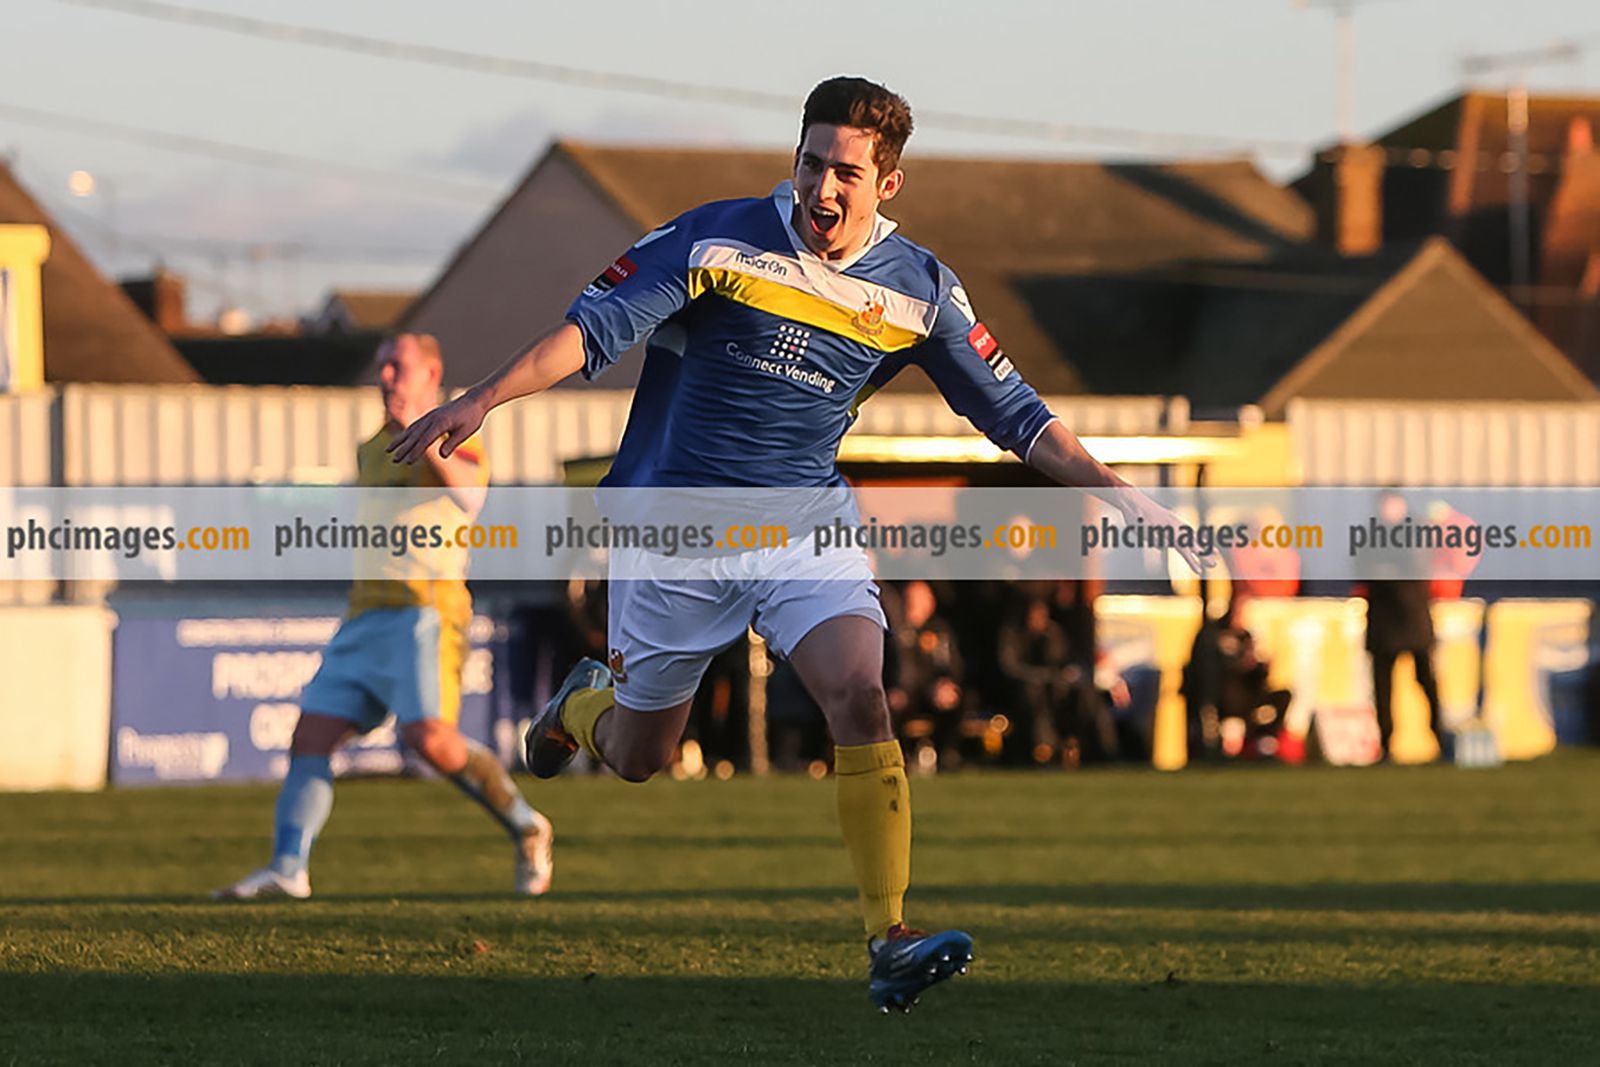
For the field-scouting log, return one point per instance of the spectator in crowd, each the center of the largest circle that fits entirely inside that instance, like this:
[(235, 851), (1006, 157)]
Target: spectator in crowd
[(797, 732), (586, 608), (719, 721), (1034, 657), (1092, 704), (1451, 566), (976, 611), (925, 674), (1262, 570), (1233, 711), (1398, 620)]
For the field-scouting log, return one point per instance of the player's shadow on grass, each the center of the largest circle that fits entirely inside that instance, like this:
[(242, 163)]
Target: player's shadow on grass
[(1046, 840), (191, 900), (672, 1019), (1443, 897), (781, 930), (1335, 896), (1536, 898)]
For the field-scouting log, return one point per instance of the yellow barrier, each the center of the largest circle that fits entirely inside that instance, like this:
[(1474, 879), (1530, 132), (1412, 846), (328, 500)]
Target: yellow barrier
[(23, 250), (1528, 638), (1457, 668), (1156, 631), (1316, 649), (55, 718)]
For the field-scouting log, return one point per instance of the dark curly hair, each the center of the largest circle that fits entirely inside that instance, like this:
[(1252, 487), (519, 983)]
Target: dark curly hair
[(864, 105)]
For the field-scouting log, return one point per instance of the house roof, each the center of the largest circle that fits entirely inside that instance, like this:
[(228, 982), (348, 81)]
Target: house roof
[(371, 309), (1415, 322), (1479, 122), (992, 221), (1465, 186), (1570, 261), (92, 331), (1113, 215), (1572, 235), (1475, 195), (282, 359)]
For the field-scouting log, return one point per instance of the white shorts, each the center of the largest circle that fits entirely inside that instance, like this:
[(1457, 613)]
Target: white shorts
[(664, 632)]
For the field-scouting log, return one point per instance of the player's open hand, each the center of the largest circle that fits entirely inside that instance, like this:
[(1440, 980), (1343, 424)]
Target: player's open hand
[(1134, 506), (453, 423)]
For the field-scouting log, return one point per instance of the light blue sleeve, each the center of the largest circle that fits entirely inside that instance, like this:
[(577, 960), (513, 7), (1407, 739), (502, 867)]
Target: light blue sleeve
[(641, 288)]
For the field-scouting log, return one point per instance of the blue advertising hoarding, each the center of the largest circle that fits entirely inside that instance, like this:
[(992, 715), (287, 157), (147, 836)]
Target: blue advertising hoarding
[(213, 694)]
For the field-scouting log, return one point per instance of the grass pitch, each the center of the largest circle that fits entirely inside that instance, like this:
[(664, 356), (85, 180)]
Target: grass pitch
[(1240, 915)]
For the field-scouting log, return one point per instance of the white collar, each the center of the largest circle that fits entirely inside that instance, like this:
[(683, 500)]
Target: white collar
[(784, 198)]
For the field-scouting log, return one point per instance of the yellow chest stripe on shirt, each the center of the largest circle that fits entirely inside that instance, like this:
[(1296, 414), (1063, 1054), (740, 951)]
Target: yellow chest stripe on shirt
[(867, 324)]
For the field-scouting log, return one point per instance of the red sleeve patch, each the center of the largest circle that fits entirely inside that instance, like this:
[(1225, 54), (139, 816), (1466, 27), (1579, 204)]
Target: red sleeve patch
[(613, 276), (982, 341), (620, 271)]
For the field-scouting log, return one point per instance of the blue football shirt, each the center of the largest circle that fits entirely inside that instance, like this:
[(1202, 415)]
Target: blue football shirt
[(758, 349)]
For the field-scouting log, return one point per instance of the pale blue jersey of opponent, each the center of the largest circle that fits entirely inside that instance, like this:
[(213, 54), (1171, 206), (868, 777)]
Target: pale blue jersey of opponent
[(758, 349)]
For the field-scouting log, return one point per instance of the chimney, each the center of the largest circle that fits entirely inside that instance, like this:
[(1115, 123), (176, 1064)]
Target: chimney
[(161, 297), (1580, 136), (1347, 192), (1569, 258)]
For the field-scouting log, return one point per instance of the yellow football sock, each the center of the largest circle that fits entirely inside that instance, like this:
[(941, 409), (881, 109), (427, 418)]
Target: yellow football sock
[(582, 711), (875, 815)]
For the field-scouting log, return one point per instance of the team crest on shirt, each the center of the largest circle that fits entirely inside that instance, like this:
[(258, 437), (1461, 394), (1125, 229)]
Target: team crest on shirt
[(618, 665), (869, 320)]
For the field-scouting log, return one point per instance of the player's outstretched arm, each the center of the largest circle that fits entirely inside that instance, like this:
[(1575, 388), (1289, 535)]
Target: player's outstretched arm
[(542, 364), (1058, 454)]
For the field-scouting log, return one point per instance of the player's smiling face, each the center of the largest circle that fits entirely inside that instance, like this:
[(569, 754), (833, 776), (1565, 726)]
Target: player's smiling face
[(839, 188)]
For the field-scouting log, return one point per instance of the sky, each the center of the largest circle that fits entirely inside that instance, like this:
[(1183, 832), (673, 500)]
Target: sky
[(383, 166)]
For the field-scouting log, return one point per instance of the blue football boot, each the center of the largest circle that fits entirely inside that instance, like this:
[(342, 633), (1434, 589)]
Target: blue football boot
[(905, 962), (547, 746)]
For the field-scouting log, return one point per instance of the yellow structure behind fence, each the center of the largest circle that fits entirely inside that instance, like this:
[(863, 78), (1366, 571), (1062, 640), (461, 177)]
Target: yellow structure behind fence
[(23, 250)]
